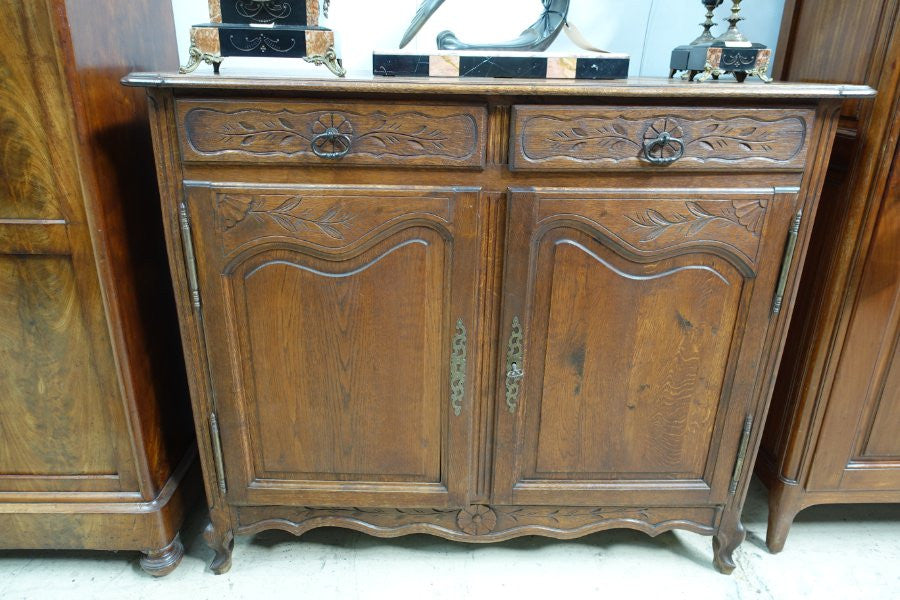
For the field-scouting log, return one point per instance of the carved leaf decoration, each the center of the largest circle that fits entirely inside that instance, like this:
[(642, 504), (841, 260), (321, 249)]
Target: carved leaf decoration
[(720, 137), (749, 214), (253, 132), (591, 139), (406, 138), (289, 215)]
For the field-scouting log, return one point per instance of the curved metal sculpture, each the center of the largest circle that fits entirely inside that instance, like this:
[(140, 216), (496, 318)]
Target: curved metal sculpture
[(536, 38)]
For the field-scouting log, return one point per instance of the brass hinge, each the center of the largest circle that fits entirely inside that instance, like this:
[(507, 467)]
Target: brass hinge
[(786, 263), (742, 454), (217, 451), (190, 259)]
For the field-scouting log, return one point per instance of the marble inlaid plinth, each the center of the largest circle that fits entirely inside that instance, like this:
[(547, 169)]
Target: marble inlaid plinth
[(517, 65), (713, 59)]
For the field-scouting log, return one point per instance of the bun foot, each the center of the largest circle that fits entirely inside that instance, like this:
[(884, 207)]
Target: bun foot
[(160, 563), (222, 543), (725, 542)]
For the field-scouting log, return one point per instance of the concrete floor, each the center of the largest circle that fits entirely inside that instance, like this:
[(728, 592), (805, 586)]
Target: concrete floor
[(832, 552)]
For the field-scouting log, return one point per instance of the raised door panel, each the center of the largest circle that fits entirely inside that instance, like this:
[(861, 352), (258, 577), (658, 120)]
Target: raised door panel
[(338, 322), (862, 419), (635, 322)]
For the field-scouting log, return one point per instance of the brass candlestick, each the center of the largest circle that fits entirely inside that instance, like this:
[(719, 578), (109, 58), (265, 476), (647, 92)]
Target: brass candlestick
[(706, 36), (733, 34)]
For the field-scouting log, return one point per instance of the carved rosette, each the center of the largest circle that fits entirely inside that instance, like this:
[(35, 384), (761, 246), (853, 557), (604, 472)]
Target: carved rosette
[(477, 520)]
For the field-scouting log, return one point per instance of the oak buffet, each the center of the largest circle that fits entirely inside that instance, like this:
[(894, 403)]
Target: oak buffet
[(487, 309)]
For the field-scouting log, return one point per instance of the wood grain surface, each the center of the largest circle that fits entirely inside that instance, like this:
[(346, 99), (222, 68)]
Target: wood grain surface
[(635, 305), (832, 432)]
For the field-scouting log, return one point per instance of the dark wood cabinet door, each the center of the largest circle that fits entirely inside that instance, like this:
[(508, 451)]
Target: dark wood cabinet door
[(633, 326), (862, 419), (339, 323)]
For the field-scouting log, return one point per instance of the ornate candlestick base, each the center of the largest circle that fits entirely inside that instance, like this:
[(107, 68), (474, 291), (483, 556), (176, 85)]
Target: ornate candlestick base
[(709, 58)]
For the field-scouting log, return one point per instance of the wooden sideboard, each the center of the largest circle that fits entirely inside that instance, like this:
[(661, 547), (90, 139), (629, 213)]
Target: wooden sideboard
[(96, 443), (484, 310), (833, 433)]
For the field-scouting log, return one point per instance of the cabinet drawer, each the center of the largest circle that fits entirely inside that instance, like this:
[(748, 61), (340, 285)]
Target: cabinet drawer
[(331, 133), (564, 138)]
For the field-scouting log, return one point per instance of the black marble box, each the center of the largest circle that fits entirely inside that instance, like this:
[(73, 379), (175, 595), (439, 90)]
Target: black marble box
[(517, 65), (278, 12), (282, 42)]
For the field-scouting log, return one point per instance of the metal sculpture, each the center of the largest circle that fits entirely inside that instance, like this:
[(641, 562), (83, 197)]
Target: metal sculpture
[(536, 38)]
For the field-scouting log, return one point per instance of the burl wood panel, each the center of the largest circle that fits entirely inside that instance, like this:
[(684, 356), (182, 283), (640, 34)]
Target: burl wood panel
[(55, 422), (379, 134), (324, 292), (95, 435), (58, 372), (566, 137)]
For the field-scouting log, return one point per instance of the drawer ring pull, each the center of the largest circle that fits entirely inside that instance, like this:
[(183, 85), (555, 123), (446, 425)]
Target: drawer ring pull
[(340, 142), (653, 149)]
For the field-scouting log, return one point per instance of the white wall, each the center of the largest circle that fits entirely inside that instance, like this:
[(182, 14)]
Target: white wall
[(645, 29)]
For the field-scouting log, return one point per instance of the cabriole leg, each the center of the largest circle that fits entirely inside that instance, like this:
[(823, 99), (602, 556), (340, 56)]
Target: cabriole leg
[(730, 535), (222, 543)]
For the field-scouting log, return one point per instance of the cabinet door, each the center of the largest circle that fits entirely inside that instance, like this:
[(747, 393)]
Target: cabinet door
[(338, 323), (633, 327), (63, 429), (859, 444)]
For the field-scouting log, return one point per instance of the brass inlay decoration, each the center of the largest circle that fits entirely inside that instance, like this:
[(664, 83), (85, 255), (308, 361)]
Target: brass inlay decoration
[(514, 372), (458, 368)]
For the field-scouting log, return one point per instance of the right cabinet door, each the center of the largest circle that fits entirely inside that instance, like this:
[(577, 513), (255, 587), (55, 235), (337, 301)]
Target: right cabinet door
[(633, 330)]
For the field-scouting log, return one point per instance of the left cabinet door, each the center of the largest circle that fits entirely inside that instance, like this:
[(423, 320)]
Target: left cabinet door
[(339, 326)]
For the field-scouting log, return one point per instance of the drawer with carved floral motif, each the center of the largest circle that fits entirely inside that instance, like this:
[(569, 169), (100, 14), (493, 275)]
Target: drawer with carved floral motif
[(564, 138), (332, 133)]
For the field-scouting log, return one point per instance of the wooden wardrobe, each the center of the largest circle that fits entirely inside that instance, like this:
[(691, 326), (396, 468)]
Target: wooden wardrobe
[(833, 433), (96, 443)]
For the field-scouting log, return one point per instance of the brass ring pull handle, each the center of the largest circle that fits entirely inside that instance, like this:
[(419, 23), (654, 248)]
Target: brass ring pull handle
[(514, 371), (340, 144), (655, 149)]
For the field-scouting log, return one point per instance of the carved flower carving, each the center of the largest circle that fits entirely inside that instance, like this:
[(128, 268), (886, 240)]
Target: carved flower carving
[(751, 214), (477, 520), (233, 210)]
